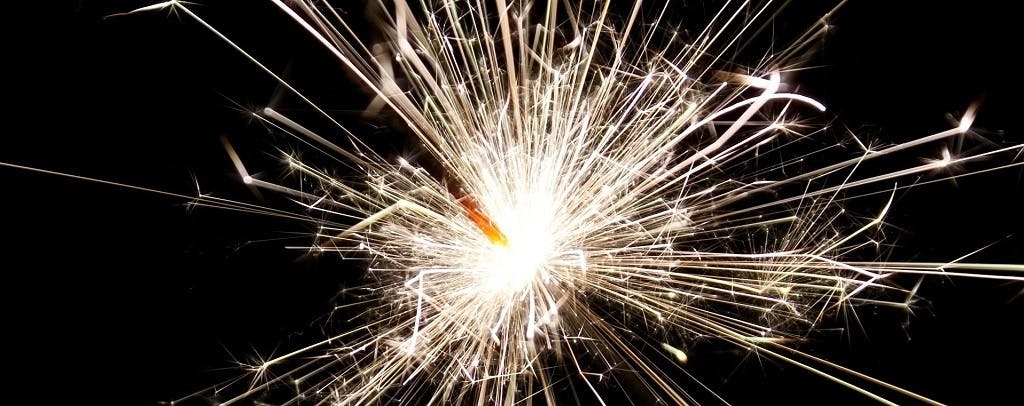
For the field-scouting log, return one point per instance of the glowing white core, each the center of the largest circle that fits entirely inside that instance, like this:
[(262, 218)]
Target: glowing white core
[(512, 268)]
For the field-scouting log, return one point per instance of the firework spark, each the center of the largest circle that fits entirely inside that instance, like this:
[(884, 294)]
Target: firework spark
[(604, 188)]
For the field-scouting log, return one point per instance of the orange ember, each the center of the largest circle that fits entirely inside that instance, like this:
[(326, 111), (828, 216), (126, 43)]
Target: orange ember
[(483, 222)]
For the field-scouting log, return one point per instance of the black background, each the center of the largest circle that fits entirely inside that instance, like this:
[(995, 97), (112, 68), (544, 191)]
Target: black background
[(118, 296)]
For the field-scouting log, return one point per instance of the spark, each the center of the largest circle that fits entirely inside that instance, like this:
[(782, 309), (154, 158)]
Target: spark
[(609, 191)]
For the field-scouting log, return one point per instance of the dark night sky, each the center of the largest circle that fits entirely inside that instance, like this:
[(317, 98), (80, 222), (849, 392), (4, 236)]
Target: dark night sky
[(119, 296)]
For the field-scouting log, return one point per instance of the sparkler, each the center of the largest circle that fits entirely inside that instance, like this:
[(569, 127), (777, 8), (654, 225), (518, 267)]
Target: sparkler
[(601, 191)]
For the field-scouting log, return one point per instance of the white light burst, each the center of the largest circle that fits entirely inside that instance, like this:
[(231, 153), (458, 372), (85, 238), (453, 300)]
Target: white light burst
[(608, 192)]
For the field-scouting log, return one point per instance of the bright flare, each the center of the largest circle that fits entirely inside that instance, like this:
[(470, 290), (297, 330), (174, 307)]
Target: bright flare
[(623, 188)]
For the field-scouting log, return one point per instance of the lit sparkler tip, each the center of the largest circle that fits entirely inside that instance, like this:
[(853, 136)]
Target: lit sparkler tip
[(483, 222)]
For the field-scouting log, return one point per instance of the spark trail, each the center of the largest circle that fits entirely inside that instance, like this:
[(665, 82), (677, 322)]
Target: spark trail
[(618, 189)]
